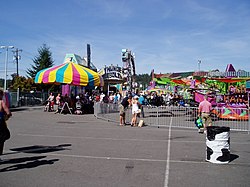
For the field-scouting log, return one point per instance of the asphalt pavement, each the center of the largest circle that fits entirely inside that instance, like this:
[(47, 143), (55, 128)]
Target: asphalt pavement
[(47, 149)]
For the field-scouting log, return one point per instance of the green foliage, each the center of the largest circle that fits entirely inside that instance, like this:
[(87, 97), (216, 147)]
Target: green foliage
[(27, 84), (42, 61), (8, 83), (143, 79), (24, 84)]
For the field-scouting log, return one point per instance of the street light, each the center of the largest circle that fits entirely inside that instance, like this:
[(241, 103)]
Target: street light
[(6, 61), (199, 65)]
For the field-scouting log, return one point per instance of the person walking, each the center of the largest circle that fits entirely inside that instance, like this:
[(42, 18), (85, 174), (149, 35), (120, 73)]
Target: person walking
[(142, 102), (116, 98), (125, 103), (58, 99), (135, 110), (5, 114), (205, 108)]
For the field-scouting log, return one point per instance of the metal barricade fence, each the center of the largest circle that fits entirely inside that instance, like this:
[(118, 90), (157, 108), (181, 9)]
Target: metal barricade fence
[(107, 111), (183, 117)]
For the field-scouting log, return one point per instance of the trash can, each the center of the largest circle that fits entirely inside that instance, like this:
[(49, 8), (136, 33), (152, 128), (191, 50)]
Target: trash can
[(218, 145)]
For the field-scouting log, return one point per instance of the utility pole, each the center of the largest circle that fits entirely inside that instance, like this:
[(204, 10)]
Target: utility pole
[(17, 57), (88, 55)]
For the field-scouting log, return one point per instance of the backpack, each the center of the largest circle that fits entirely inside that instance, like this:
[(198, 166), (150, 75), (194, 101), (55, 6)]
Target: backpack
[(198, 122)]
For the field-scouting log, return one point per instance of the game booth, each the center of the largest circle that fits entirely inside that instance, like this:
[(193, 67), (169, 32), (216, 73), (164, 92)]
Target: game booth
[(228, 96)]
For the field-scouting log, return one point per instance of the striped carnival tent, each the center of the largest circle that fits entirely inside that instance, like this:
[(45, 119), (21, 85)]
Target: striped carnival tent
[(69, 73)]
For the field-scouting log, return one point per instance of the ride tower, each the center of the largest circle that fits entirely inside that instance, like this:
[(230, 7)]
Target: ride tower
[(128, 69)]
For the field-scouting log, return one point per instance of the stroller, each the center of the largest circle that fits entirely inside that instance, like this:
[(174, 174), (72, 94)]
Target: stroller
[(78, 107)]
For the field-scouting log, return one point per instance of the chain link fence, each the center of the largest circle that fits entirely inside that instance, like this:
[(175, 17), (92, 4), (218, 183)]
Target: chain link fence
[(18, 99), (183, 117)]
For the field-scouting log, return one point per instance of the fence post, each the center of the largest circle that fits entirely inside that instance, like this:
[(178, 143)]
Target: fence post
[(17, 97), (157, 116), (248, 122), (248, 113)]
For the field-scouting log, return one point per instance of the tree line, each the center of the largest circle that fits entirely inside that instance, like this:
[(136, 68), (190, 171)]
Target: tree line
[(41, 61), (44, 60)]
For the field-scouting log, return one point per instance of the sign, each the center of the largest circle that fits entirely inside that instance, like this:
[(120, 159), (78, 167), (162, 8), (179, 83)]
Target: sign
[(112, 73)]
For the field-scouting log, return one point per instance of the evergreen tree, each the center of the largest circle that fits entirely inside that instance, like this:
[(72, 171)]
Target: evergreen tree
[(42, 61), (143, 79)]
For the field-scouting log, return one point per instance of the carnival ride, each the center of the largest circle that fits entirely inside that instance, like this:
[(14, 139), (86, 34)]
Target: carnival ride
[(128, 69), (228, 96)]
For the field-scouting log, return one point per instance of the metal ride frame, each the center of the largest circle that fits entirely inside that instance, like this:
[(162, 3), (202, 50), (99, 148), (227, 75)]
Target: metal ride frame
[(163, 116), (128, 69)]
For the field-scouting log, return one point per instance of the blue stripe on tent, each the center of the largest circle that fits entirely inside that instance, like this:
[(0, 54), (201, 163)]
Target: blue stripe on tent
[(37, 76), (91, 81), (39, 72), (60, 73)]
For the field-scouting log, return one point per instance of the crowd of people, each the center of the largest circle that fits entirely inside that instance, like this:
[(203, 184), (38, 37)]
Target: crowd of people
[(137, 100), (153, 99), (80, 104)]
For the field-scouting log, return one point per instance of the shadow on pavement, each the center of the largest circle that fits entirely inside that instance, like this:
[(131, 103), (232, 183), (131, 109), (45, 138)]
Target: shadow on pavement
[(40, 148), (20, 160), (233, 157), (26, 162)]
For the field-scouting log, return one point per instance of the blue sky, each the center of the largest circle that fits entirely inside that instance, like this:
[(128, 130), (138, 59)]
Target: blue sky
[(165, 35)]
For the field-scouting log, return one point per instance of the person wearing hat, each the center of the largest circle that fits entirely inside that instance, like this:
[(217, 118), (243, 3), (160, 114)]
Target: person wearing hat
[(135, 110), (125, 103)]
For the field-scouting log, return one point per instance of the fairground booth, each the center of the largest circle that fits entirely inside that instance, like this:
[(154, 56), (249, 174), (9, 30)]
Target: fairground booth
[(228, 91)]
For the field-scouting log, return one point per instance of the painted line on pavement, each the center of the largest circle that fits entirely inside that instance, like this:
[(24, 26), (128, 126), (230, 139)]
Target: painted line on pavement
[(147, 140), (94, 138), (106, 158), (168, 155), (8, 152)]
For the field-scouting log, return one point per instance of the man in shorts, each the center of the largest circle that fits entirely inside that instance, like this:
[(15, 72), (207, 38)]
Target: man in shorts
[(205, 108), (123, 106)]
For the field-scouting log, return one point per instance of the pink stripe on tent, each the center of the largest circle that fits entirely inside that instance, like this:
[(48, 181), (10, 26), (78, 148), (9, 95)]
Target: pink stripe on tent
[(76, 76), (45, 78)]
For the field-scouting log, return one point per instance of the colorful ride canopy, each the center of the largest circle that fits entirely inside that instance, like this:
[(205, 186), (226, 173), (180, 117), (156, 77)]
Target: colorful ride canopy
[(69, 73)]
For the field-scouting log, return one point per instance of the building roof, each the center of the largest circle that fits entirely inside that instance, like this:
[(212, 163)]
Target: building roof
[(78, 60), (230, 68)]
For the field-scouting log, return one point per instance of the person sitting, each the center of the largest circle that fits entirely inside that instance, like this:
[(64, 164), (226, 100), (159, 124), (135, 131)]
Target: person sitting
[(49, 103), (60, 106), (181, 102)]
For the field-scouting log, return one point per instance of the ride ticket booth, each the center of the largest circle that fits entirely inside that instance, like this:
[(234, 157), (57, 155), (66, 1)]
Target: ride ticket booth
[(113, 78)]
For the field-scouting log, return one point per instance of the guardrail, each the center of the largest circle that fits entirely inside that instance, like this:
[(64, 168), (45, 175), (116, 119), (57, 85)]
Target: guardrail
[(183, 117)]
